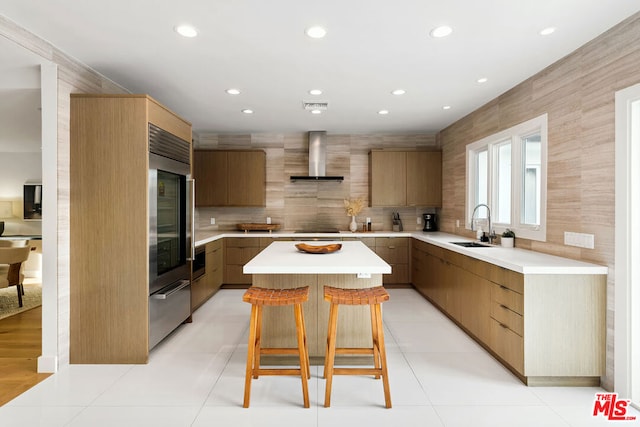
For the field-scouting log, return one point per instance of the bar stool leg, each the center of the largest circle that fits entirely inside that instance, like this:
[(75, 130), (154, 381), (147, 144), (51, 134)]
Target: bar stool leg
[(383, 356), (306, 347), (250, 355), (256, 363), (376, 344), (331, 353), (304, 368)]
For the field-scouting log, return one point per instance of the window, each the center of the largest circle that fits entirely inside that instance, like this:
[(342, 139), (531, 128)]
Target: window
[(507, 172)]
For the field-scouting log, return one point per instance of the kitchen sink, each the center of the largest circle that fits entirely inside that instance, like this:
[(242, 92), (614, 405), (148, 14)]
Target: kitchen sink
[(471, 244)]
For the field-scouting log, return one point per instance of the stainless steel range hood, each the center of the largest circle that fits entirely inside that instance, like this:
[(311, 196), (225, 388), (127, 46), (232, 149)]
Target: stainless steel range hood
[(317, 159)]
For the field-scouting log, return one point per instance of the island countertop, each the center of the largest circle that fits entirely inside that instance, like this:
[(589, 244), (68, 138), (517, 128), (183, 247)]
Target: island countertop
[(284, 258)]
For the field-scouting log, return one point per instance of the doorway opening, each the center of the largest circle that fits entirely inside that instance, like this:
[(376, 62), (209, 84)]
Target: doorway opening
[(627, 246)]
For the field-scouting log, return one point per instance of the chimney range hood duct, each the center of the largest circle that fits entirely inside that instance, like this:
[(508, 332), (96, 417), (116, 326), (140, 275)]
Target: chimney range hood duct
[(317, 159)]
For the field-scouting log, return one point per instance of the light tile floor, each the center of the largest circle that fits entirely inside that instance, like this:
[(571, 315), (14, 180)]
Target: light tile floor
[(438, 375)]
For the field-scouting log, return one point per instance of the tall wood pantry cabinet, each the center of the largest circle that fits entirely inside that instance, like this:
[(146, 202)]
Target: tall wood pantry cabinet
[(109, 320)]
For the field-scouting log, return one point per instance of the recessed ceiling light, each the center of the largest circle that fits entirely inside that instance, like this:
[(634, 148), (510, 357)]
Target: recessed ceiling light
[(316, 32), (482, 80), (315, 92), (186, 30), (316, 111), (399, 92), (233, 91), (442, 31), (547, 31), (247, 111), (383, 112), (446, 107)]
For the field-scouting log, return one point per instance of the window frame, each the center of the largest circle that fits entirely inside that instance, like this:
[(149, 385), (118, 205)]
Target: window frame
[(515, 134)]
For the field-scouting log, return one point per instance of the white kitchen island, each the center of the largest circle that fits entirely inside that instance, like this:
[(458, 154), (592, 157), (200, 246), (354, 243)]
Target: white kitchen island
[(281, 265)]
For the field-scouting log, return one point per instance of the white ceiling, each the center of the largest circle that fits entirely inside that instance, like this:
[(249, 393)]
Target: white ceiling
[(371, 48), (20, 116)]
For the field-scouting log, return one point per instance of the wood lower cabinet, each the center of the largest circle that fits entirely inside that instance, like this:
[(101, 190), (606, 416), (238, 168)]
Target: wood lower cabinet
[(237, 252), (405, 178), (230, 178), (208, 284), (546, 328), (214, 255), (395, 251)]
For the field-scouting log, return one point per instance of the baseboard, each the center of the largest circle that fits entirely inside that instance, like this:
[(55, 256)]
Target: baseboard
[(47, 364)]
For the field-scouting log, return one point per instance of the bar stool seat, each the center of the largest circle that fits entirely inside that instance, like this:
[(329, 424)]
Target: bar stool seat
[(258, 298), (372, 297)]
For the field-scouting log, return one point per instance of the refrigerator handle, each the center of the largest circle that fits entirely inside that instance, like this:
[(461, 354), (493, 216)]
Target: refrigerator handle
[(192, 217)]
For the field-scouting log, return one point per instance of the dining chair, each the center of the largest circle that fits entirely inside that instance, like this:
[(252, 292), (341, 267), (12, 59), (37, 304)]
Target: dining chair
[(11, 259)]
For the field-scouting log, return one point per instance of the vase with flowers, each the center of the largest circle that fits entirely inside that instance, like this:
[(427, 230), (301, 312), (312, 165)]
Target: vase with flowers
[(353, 208)]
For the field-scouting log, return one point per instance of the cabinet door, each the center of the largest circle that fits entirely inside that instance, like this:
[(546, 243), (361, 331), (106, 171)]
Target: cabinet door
[(388, 183), (247, 175), (210, 173), (424, 178), (215, 266)]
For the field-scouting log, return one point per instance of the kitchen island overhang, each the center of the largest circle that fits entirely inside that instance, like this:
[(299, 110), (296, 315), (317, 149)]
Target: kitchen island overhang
[(281, 265)]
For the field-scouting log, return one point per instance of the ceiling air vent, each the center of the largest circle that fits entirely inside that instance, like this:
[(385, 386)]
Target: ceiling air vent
[(309, 106)]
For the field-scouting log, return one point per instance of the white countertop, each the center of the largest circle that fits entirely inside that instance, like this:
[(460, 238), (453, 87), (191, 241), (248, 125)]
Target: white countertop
[(284, 258), (519, 260)]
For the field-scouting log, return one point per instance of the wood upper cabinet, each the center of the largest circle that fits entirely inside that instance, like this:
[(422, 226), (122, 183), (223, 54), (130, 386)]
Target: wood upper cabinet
[(405, 178), (388, 183), (247, 178), (230, 178), (210, 172), (424, 178)]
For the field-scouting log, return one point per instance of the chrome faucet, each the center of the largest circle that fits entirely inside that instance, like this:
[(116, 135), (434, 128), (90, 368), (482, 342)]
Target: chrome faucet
[(492, 235)]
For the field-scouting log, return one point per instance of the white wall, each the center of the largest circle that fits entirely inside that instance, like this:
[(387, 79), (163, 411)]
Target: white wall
[(15, 170)]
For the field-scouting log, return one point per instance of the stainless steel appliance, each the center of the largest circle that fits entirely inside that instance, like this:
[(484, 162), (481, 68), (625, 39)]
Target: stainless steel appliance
[(430, 222), (170, 233), (199, 263)]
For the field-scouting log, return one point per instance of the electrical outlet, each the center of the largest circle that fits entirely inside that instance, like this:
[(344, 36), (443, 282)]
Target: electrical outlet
[(457, 223), (268, 220), (580, 240), (213, 221), (418, 220), (364, 275)]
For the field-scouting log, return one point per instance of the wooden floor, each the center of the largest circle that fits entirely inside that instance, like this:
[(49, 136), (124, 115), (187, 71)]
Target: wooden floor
[(20, 347)]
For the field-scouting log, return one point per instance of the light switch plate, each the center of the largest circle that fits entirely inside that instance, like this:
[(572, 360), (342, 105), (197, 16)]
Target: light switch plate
[(580, 240), (213, 221), (268, 220)]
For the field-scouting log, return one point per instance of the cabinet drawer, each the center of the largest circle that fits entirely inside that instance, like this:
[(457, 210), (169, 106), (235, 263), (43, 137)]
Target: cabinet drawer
[(399, 274), (507, 278), (214, 246), (393, 255), (508, 298), (507, 317), (240, 255), (242, 242), (508, 345), (233, 275), (392, 242)]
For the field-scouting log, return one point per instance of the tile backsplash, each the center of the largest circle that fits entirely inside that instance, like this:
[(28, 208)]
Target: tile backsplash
[(311, 204)]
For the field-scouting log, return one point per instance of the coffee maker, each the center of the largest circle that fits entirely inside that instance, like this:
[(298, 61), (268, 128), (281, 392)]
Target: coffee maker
[(430, 222)]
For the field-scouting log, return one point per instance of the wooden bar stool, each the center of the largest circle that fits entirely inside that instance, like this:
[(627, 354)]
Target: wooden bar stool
[(259, 297), (372, 297)]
